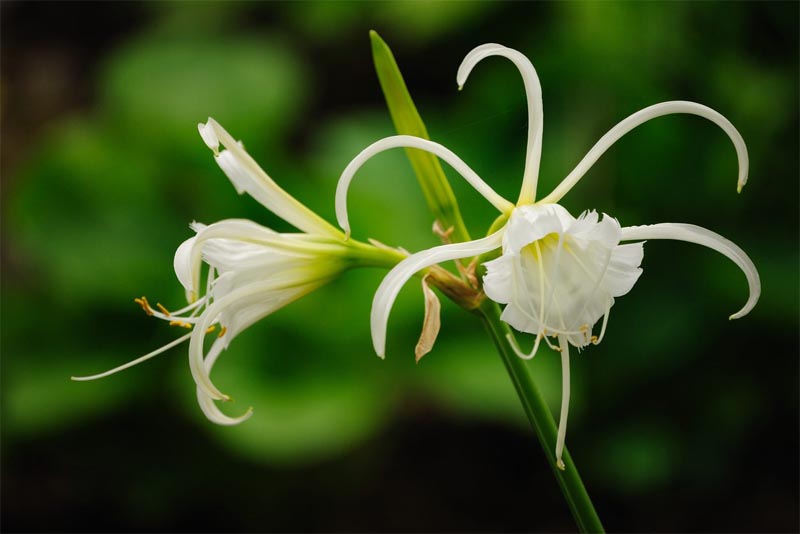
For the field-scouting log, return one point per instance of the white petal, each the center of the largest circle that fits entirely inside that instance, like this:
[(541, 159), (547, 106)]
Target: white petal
[(640, 117), (240, 244), (498, 280), (209, 135), (239, 309), (409, 141), (623, 269), (207, 404), (189, 254), (247, 176), (707, 238), (182, 264), (533, 90), (215, 415), (403, 271), (530, 223)]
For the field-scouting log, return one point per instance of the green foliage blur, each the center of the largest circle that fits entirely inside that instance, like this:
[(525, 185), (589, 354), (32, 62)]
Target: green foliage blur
[(680, 419)]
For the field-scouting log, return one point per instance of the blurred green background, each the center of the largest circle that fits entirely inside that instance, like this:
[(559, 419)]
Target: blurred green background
[(680, 421)]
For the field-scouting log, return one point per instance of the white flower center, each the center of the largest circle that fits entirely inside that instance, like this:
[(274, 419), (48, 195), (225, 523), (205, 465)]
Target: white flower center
[(558, 275)]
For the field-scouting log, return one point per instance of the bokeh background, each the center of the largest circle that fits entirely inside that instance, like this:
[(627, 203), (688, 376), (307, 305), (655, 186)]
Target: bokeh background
[(680, 421)]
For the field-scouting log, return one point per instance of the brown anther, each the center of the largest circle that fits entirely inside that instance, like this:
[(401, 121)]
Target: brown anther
[(181, 324), (222, 331), (144, 304), (594, 340), (210, 329), (163, 309)]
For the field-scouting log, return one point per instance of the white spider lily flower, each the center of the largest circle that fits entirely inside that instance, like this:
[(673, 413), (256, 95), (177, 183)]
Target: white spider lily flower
[(252, 270), (257, 271), (557, 275)]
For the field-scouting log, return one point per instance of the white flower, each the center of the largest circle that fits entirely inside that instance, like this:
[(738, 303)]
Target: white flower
[(557, 275), (252, 270)]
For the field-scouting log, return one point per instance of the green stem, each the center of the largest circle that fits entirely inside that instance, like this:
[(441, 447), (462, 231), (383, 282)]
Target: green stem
[(542, 421)]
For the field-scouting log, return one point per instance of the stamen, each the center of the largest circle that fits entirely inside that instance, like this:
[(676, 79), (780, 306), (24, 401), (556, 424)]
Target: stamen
[(556, 279), (550, 344), (562, 424), (137, 361), (605, 322), (540, 265), (144, 304), (181, 324), (210, 329), (163, 309), (193, 306), (222, 331), (518, 351)]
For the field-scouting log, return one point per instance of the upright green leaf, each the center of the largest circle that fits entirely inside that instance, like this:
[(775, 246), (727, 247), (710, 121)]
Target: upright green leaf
[(438, 193)]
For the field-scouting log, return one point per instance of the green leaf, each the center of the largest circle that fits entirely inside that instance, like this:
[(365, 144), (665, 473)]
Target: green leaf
[(438, 193)]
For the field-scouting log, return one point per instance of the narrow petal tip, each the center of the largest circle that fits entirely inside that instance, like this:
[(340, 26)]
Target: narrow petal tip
[(738, 315), (209, 135), (560, 464)]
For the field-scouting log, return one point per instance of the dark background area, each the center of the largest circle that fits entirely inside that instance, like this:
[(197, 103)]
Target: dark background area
[(681, 420)]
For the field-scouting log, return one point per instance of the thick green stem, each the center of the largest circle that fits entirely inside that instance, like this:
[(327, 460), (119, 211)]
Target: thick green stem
[(542, 421)]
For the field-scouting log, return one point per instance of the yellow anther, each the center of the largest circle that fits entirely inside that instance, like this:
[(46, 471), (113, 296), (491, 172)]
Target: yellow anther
[(594, 340), (144, 304), (210, 329), (180, 323), (163, 309), (222, 331)]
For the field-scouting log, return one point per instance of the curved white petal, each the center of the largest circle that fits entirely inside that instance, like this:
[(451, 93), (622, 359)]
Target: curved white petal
[(403, 271), (232, 242), (410, 141), (640, 117), (182, 263), (533, 90), (707, 238), (240, 308), (247, 176), (207, 404)]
